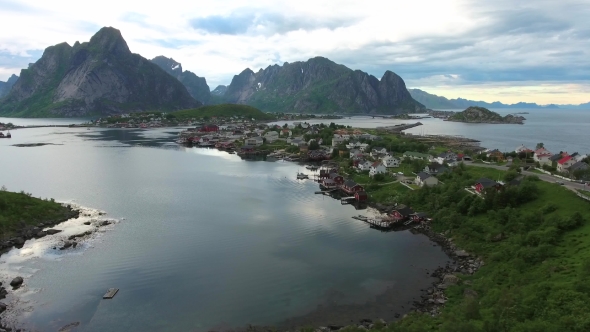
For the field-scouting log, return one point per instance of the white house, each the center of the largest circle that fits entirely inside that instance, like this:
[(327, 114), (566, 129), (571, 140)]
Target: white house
[(425, 179), (542, 156), (390, 161), (446, 157), (355, 153), (364, 166), (521, 148), (378, 152), (286, 132), (377, 168), (337, 140), (271, 136), (255, 141)]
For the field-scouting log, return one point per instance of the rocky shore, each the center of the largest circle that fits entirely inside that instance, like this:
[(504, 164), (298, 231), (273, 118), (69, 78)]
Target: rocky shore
[(68, 239)]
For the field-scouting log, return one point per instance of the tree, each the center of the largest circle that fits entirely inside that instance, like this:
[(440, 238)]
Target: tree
[(314, 145), (539, 146)]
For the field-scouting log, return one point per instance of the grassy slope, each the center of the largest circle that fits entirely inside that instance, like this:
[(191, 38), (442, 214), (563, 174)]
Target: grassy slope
[(223, 110), (16, 208), (536, 279)]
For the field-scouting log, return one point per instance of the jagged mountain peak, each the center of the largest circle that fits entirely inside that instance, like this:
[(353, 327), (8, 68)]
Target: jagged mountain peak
[(98, 77), (320, 85), (109, 39), (195, 85)]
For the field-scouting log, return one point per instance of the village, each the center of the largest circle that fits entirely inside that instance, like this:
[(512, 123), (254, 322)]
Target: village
[(145, 120), (360, 167)]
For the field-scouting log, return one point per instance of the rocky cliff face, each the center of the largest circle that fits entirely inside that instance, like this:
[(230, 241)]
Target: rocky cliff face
[(195, 85), (6, 86), (97, 77), (219, 90), (320, 86)]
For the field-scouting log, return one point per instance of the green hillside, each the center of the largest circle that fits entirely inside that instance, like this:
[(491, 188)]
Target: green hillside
[(19, 208), (223, 110)]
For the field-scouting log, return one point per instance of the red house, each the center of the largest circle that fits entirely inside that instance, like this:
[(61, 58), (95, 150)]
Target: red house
[(418, 216), (401, 213), (350, 187), (209, 128), (360, 196), (328, 184), (339, 179), (482, 184)]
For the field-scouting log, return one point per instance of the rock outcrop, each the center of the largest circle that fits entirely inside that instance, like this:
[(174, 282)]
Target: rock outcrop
[(195, 85), (98, 77), (475, 114), (320, 86)]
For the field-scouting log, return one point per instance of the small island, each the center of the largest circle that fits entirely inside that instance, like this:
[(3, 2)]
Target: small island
[(475, 114)]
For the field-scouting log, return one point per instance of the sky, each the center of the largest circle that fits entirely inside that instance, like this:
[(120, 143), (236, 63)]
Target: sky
[(501, 50)]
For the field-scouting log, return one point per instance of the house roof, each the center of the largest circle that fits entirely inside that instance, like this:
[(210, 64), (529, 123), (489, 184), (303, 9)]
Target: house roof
[(420, 214), (423, 176), (376, 164), (578, 166), (416, 154), (486, 183), (349, 183), (555, 157), (564, 160), (334, 175), (404, 211), (330, 181)]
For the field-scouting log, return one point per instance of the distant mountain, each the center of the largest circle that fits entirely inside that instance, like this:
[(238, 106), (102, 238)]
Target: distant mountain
[(430, 100), (585, 106), (320, 86), (195, 85), (439, 102), (6, 86), (219, 90), (99, 77)]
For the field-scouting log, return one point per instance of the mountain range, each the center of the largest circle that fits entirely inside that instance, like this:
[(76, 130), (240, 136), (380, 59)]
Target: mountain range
[(98, 77), (319, 85), (438, 102), (103, 77)]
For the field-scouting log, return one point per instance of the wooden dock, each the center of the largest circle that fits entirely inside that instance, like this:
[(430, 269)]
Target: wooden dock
[(326, 191), (111, 293)]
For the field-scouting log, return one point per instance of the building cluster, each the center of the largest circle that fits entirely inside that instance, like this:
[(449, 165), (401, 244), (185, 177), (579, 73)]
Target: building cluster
[(563, 162)]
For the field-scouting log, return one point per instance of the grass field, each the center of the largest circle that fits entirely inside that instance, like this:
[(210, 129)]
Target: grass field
[(536, 248), (18, 208)]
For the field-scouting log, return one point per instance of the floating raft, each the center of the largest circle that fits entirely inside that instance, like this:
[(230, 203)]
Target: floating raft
[(110, 293)]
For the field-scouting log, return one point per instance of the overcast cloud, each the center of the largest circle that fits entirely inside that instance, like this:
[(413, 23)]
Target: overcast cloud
[(534, 51)]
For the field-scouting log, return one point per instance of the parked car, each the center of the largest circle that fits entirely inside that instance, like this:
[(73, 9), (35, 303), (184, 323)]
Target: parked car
[(559, 183), (400, 173)]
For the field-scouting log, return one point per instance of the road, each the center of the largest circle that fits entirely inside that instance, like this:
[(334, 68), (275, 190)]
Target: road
[(544, 177)]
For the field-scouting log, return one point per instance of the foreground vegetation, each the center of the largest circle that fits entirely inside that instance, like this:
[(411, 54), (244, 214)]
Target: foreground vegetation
[(19, 209), (535, 241)]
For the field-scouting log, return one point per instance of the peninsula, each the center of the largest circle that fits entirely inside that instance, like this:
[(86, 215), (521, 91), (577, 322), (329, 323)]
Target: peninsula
[(476, 114)]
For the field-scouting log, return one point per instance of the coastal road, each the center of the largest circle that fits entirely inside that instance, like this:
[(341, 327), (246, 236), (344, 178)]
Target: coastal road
[(544, 177)]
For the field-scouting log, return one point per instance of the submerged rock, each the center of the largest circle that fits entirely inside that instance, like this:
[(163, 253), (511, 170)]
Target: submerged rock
[(52, 231)]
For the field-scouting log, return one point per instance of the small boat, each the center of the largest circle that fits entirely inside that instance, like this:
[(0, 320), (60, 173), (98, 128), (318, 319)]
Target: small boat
[(301, 176)]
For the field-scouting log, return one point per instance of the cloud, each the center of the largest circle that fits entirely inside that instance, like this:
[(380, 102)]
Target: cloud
[(457, 45), (244, 21)]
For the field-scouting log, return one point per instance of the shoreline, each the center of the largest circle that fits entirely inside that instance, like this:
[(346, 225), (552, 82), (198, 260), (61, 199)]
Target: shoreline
[(64, 234)]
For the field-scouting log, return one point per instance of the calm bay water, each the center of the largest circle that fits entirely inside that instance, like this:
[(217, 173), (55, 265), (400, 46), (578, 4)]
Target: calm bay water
[(558, 129), (205, 240)]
